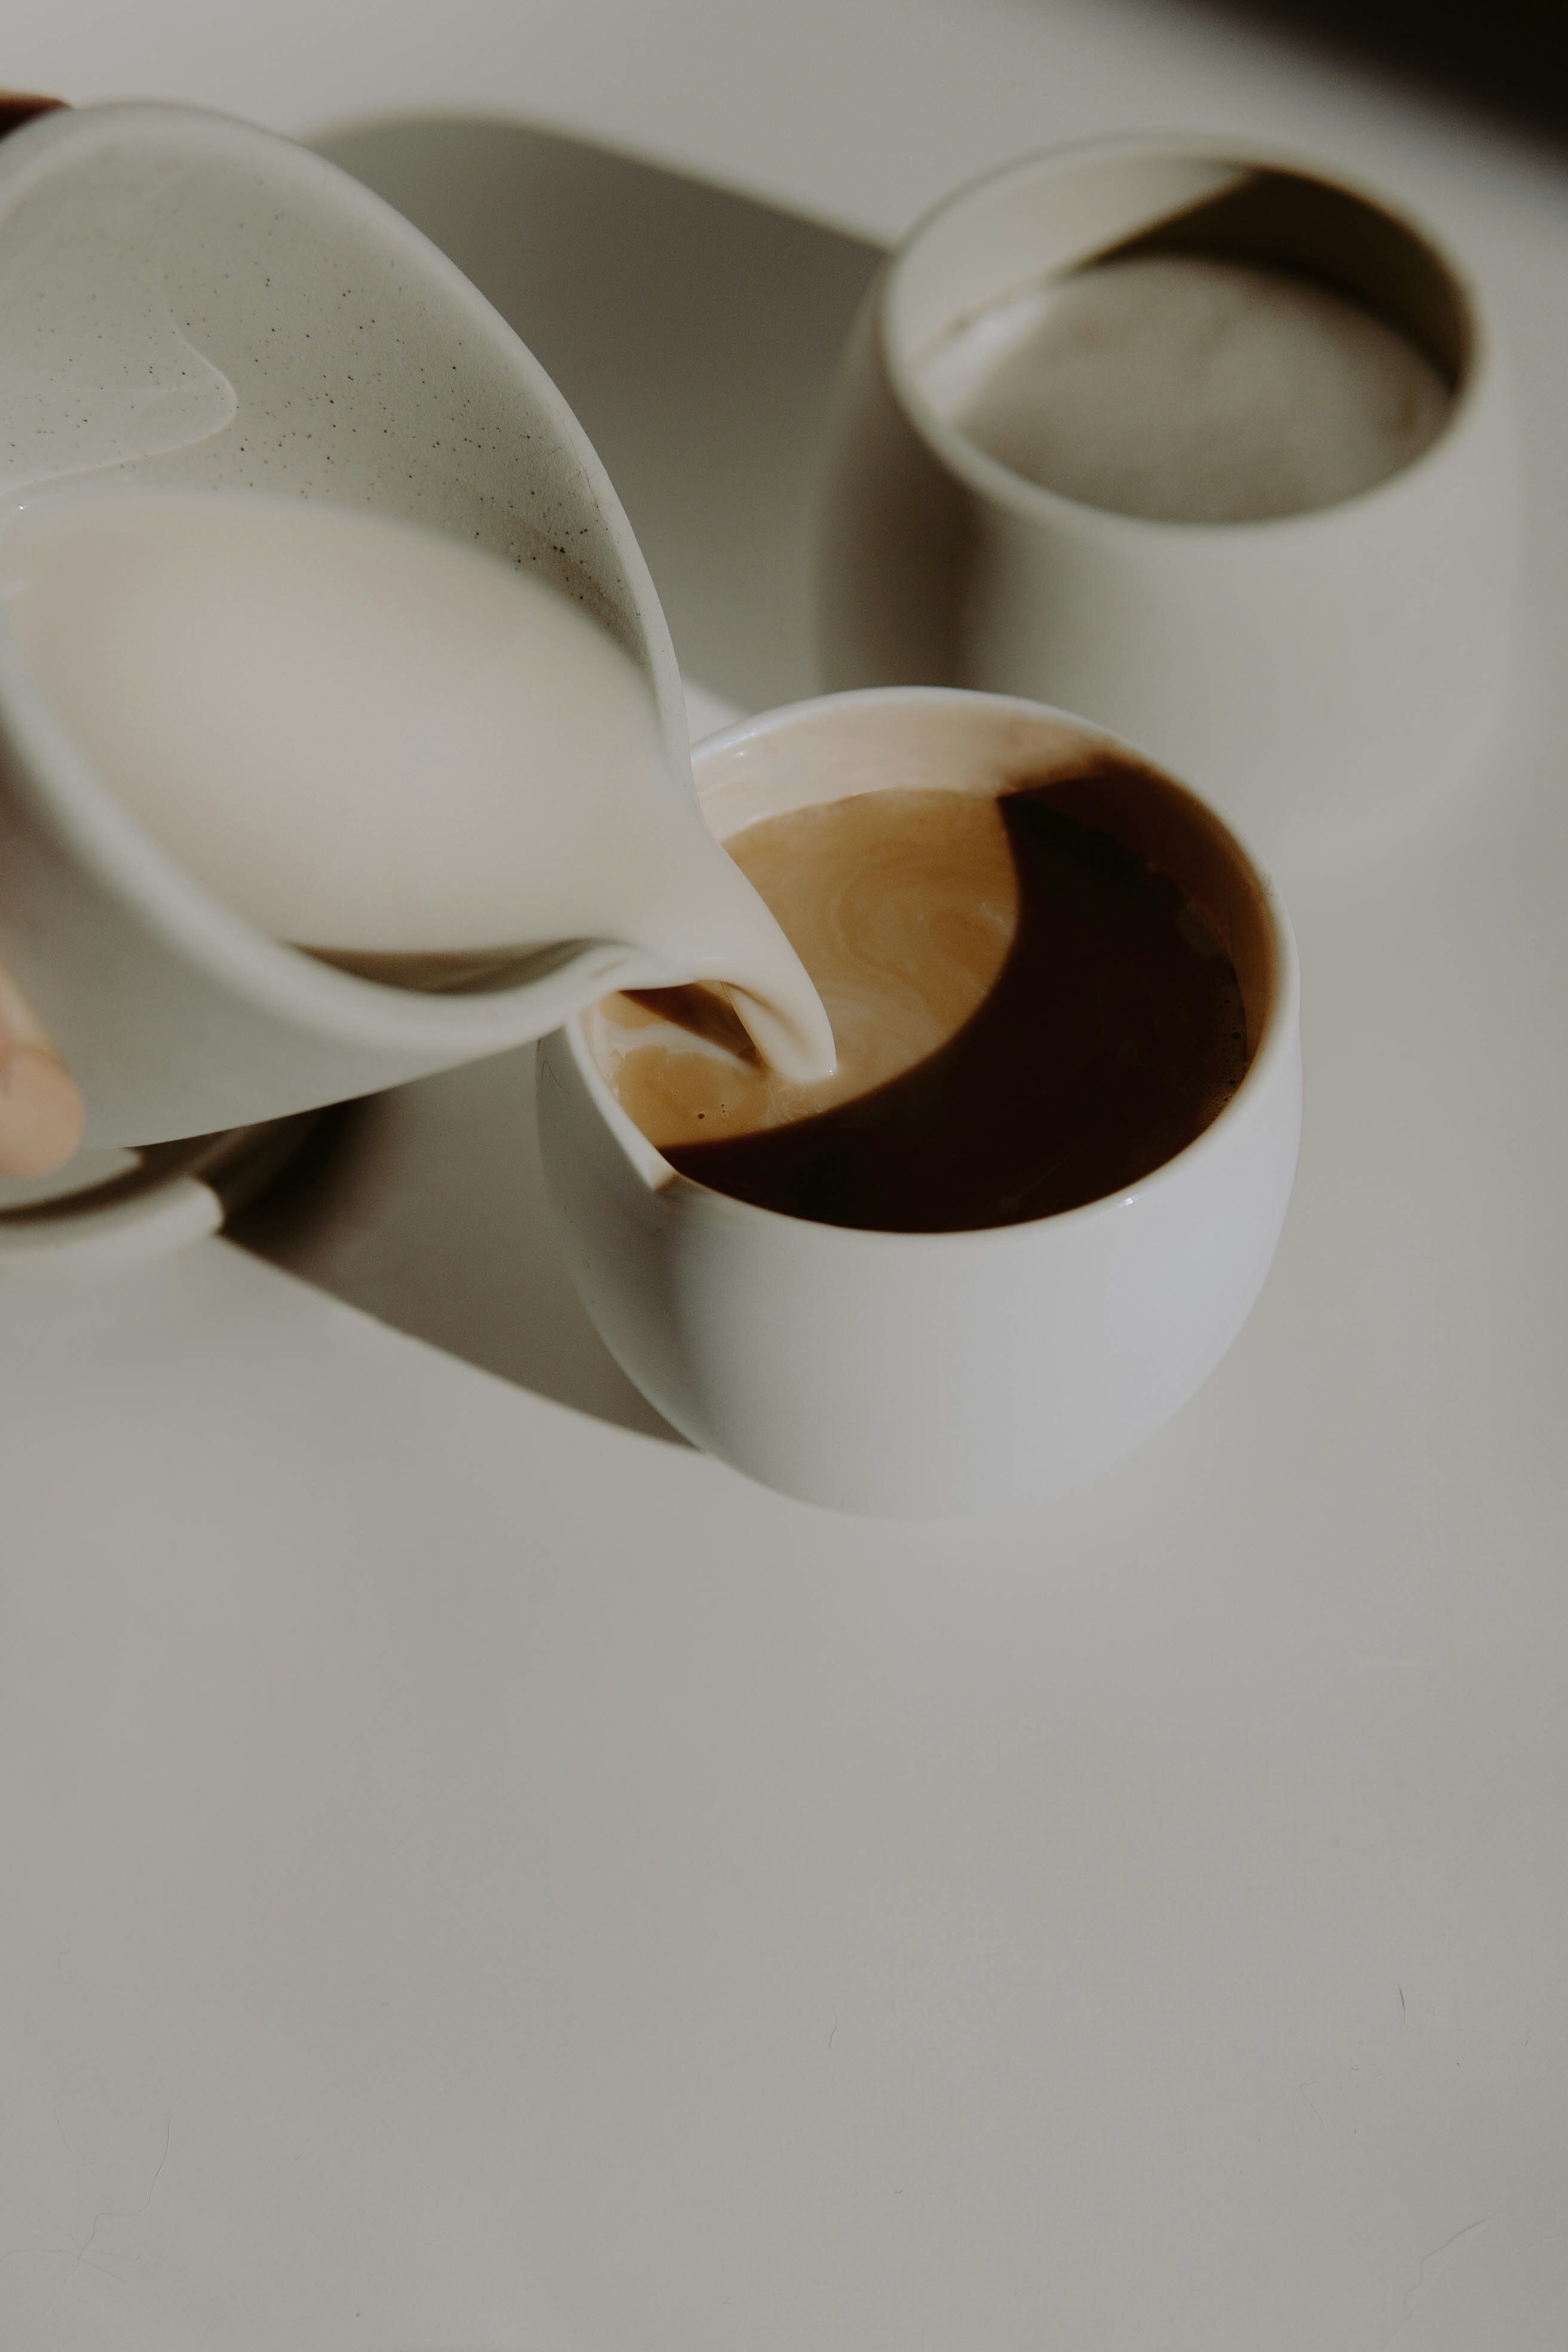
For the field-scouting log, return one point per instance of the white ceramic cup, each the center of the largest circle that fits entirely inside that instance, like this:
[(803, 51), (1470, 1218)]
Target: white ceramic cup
[(186, 299), (1324, 672), (914, 1375)]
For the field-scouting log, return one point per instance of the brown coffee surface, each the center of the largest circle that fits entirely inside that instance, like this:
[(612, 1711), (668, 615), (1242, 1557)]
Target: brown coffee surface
[(1029, 1014)]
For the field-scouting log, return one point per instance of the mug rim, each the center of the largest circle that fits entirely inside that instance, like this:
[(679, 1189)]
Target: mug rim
[(1276, 1044), (990, 479), (63, 791)]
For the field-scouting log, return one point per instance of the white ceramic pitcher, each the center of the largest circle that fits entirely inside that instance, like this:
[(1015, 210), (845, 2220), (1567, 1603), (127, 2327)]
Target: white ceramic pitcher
[(186, 299)]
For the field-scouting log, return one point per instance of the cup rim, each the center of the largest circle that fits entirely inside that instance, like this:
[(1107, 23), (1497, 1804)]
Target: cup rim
[(61, 785), (1275, 1046), (1012, 491)]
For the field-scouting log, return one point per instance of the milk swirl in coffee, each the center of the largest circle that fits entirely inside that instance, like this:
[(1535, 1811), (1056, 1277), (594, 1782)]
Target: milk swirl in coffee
[(1031, 1010), (382, 745), (1188, 387)]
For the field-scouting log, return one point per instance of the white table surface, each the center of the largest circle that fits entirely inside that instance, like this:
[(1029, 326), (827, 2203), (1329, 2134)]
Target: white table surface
[(477, 1877)]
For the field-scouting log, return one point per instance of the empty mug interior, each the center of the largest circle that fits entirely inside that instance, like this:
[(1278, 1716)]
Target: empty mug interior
[(1057, 214), (188, 302)]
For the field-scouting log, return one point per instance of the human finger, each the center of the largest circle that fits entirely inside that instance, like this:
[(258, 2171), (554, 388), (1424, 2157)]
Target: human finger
[(41, 1113)]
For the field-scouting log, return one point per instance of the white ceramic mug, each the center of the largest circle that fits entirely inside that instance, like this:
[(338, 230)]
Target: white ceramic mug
[(1324, 672), (186, 299), (912, 1375)]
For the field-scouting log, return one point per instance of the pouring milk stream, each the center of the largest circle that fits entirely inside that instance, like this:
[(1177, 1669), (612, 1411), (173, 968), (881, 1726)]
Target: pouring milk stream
[(380, 745)]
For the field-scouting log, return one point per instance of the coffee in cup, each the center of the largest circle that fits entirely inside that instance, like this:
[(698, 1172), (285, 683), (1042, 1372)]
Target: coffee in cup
[(916, 1372), (1034, 997)]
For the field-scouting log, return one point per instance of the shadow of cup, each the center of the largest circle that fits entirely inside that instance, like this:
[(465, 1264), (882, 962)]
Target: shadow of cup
[(425, 1208)]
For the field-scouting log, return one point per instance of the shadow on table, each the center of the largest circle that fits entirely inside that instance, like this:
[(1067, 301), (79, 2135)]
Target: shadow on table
[(695, 333), (425, 1208)]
